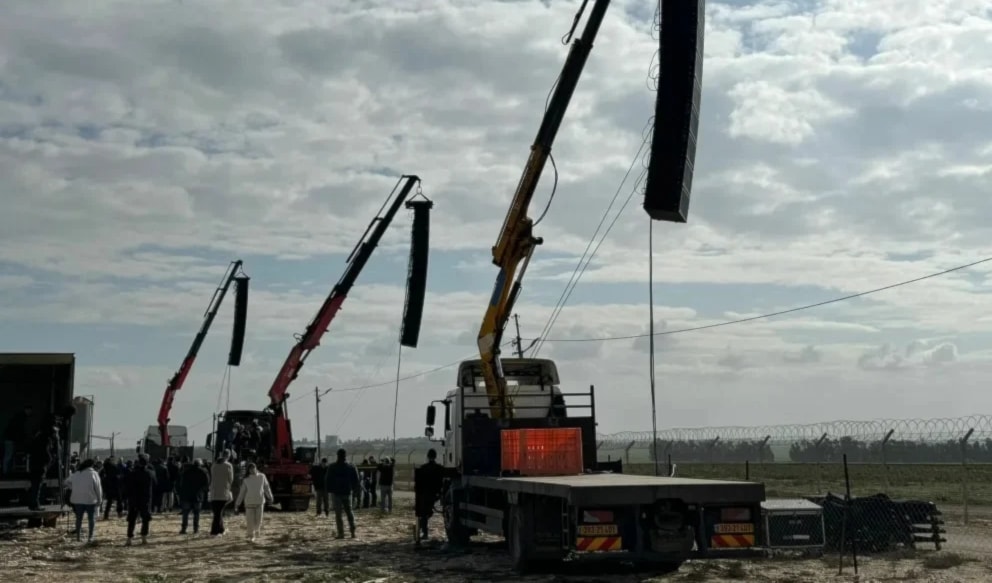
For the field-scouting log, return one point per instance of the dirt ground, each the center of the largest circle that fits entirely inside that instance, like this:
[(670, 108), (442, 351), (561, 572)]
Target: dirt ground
[(301, 547)]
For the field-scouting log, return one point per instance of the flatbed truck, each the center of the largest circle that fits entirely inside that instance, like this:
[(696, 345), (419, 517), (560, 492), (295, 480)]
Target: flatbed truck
[(599, 514)]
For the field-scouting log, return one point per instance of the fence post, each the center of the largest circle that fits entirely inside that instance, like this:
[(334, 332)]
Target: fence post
[(964, 472), (713, 447), (626, 452), (409, 458), (819, 463), (885, 461)]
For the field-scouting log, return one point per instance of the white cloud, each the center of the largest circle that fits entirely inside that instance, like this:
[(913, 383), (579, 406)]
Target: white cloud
[(843, 147)]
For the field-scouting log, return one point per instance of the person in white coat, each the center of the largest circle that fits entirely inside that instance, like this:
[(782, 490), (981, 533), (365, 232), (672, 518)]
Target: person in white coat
[(86, 497), (255, 493)]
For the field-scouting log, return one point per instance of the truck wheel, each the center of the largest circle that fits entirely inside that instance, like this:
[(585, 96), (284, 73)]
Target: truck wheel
[(457, 534), (519, 539)]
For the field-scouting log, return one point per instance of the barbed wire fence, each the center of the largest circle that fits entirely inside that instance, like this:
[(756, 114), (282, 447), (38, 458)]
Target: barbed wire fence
[(919, 482)]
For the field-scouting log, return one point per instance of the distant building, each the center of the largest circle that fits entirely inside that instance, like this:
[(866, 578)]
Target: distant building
[(332, 441)]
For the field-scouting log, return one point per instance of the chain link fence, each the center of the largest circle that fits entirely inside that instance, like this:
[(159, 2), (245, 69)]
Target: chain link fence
[(915, 483)]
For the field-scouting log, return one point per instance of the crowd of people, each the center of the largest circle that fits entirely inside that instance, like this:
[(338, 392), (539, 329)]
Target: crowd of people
[(142, 488)]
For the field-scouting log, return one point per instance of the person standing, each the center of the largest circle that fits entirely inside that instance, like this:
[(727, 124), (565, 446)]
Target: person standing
[(427, 486), (140, 487), (386, 472), (342, 482), (44, 449), (194, 482), (110, 481), (221, 481), (86, 497), (255, 493), (317, 475)]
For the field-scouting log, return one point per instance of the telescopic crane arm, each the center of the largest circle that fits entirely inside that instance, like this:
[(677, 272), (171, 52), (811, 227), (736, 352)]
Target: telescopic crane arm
[(179, 378), (516, 243), (310, 339)]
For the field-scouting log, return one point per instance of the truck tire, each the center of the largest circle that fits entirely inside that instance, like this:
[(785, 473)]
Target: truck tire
[(519, 535), (458, 535)]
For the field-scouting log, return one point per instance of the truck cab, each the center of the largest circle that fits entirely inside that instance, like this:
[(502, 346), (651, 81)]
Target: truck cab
[(533, 385), (151, 443)]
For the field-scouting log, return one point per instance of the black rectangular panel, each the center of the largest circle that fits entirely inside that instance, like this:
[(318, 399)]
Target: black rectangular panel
[(676, 121)]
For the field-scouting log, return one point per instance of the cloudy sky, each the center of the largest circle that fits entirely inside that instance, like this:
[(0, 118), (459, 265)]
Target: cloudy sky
[(844, 145)]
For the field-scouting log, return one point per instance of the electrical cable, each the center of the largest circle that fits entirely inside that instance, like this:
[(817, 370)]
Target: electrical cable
[(573, 279), (780, 312), (653, 75), (392, 382)]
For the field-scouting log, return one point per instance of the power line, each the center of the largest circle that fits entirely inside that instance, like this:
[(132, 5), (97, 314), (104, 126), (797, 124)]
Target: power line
[(455, 363), (587, 255), (780, 312)]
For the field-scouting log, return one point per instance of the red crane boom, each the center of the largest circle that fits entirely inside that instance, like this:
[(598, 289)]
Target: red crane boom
[(179, 378), (278, 393)]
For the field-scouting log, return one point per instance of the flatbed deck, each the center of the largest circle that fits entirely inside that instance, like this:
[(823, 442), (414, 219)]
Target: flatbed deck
[(592, 489), (48, 514)]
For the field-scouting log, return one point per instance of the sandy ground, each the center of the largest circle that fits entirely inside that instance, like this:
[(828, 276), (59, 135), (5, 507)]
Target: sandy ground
[(301, 547)]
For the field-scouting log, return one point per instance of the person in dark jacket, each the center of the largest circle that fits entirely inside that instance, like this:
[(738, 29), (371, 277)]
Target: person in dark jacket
[(162, 485), (110, 481), (175, 470), (342, 481), (371, 480), (140, 487), (427, 487), (318, 474), (194, 483), (44, 449), (386, 471)]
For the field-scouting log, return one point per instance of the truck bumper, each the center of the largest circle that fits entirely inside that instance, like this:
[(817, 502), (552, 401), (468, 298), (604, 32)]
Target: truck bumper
[(646, 556)]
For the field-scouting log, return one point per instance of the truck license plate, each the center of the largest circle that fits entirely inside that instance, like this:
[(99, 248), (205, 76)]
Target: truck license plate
[(598, 530), (734, 528), (301, 489)]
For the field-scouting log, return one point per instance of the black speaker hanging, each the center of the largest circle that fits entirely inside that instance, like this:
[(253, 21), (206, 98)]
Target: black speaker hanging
[(416, 282), (240, 319), (676, 114)]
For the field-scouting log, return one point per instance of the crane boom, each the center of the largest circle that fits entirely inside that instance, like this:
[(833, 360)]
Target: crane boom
[(179, 378), (516, 242), (310, 339)]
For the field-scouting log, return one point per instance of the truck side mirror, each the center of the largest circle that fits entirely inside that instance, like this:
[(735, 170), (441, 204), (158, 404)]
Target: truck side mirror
[(210, 441), (431, 415)]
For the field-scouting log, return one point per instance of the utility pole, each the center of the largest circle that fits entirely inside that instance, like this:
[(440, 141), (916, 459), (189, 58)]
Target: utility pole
[(316, 397), (519, 342)]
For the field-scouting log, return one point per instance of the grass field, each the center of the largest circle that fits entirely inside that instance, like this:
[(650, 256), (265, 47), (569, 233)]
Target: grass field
[(940, 483)]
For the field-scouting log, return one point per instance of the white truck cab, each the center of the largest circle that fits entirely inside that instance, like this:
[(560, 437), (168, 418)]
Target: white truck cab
[(533, 386)]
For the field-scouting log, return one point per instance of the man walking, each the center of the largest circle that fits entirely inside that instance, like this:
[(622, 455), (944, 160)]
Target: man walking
[(318, 474), (193, 485), (342, 481), (140, 487), (110, 481), (221, 482)]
